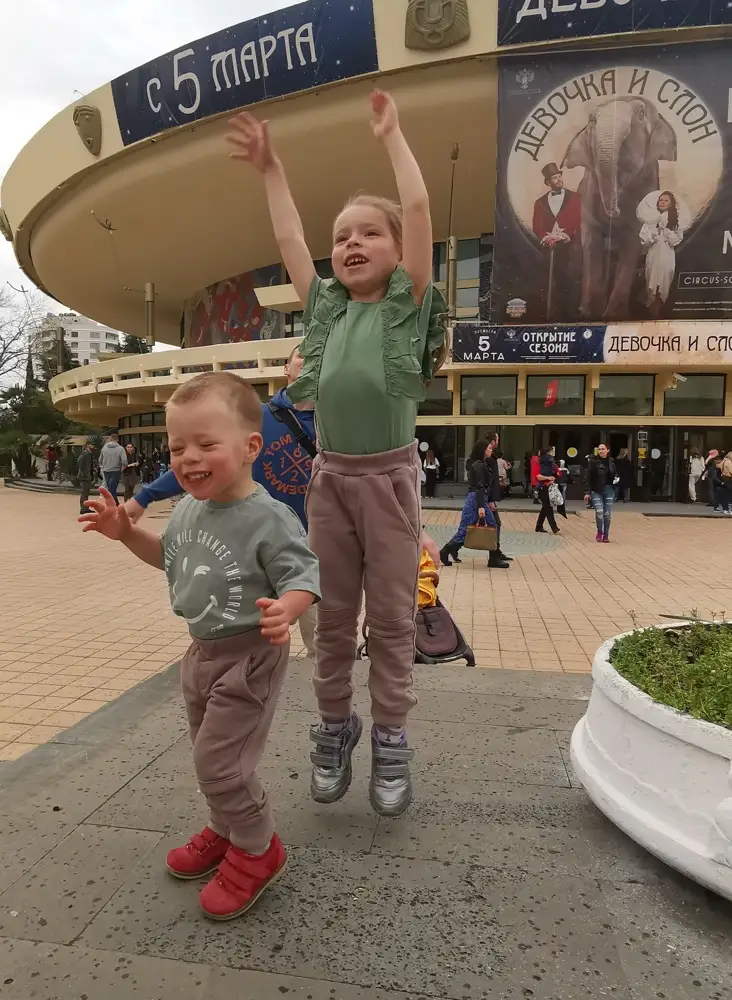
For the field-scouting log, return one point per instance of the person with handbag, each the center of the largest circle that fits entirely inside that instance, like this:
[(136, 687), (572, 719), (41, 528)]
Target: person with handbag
[(475, 508), (601, 481), (550, 496)]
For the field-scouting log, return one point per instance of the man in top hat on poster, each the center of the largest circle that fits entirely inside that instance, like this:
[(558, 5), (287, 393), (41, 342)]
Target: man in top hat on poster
[(557, 225)]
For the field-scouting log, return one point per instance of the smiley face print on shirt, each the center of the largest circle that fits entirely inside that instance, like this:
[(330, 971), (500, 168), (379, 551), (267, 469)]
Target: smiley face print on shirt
[(205, 579)]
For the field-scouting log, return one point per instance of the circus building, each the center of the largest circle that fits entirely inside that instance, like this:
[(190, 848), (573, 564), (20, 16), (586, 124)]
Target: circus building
[(578, 155)]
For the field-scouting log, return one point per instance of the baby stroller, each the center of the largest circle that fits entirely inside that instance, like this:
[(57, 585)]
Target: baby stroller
[(439, 640)]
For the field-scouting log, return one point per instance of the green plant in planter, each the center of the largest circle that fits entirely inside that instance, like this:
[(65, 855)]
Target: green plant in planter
[(687, 668)]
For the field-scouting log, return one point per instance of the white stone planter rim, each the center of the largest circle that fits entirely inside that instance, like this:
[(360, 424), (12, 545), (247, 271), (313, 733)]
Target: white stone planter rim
[(705, 735)]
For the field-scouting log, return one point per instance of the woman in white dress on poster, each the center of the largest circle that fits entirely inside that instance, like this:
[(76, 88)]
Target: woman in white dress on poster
[(664, 220)]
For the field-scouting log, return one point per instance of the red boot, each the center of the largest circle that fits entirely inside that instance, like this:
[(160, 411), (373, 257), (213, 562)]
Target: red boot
[(241, 880), (200, 856)]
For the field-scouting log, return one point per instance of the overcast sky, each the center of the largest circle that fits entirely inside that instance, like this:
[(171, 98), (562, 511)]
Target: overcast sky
[(52, 49)]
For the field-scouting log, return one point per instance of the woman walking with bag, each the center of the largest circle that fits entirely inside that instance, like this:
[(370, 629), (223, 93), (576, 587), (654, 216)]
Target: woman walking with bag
[(601, 477), (551, 499), (475, 508)]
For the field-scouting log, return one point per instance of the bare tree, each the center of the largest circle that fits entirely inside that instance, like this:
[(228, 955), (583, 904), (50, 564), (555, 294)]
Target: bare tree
[(16, 322)]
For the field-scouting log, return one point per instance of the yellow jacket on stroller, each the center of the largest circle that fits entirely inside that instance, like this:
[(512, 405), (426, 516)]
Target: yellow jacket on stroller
[(428, 580), (438, 638)]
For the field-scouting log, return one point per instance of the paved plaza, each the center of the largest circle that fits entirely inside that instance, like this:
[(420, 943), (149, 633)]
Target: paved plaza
[(83, 621), (502, 882)]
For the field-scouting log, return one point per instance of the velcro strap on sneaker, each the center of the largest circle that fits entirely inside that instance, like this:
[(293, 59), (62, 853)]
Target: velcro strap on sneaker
[(387, 753), (392, 762), (238, 873), (327, 739), (325, 759)]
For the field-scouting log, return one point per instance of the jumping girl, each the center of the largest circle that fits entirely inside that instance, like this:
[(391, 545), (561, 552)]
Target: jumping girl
[(374, 336)]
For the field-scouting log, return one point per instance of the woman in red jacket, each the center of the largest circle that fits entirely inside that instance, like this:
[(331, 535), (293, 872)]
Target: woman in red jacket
[(534, 473)]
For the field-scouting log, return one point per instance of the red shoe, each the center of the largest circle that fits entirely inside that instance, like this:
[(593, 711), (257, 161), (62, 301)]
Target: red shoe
[(241, 880), (200, 856), (605, 538)]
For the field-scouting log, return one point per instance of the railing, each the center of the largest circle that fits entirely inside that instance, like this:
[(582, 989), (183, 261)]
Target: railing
[(258, 361)]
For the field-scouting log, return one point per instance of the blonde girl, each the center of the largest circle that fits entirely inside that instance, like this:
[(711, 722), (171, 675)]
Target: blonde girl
[(373, 338)]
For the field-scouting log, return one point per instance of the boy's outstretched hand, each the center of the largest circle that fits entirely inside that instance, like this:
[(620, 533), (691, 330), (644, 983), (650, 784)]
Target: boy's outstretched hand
[(384, 114), (249, 141), (106, 517)]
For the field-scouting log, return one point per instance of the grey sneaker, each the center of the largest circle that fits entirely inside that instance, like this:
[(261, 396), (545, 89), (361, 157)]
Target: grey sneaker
[(331, 758), (390, 791)]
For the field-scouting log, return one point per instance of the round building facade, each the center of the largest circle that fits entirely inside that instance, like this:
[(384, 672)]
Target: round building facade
[(577, 157)]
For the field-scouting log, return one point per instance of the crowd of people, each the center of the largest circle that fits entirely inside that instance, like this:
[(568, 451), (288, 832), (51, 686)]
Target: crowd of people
[(714, 474), (116, 464)]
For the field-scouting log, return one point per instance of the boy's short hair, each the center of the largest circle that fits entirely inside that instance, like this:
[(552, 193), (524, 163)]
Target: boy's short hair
[(240, 396)]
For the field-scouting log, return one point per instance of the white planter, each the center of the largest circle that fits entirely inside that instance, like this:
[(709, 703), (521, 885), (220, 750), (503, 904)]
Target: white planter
[(664, 778)]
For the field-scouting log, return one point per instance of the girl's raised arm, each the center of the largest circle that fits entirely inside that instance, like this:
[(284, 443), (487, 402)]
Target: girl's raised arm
[(250, 142), (417, 225)]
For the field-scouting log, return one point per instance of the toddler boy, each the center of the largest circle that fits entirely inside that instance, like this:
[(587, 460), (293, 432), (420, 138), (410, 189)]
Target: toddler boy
[(240, 573)]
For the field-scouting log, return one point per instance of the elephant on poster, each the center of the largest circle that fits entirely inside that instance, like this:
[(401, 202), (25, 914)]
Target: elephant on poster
[(620, 148)]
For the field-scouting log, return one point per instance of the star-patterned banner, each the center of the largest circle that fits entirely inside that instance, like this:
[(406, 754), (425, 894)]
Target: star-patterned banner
[(301, 47), (521, 21)]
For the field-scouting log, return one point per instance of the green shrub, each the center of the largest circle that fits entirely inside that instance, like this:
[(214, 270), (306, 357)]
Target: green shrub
[(68, 467), (688, 668)]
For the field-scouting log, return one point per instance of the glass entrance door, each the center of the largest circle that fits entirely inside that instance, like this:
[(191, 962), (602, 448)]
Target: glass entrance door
[(657, 467), (573, 444)]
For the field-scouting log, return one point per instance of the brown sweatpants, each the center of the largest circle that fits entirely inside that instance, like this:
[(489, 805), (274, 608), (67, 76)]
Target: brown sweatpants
[(230, 687), (364, 526)]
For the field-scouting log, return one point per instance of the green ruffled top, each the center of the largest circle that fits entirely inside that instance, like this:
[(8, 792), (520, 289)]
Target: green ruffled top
[(366, 365)]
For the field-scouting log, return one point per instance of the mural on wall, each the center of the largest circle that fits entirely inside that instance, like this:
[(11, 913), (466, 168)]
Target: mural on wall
[(614, 187), (229, 312)]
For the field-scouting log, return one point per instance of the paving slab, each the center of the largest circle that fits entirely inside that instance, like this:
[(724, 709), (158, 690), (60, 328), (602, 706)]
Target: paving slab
[(493, 710), (32, 971), (501, 882), (60, 895), (225, 984), (533, 830)]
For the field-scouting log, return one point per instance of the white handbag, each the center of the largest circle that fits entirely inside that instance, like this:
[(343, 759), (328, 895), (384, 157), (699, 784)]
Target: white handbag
[(555, 496)]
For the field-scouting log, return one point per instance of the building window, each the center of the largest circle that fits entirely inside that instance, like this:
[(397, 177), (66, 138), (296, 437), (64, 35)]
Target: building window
[(624, 395), (159, 418), (488, 394), (697, 396), (146, 420), (324, 268), (468, 262), (555, 395), (293, 325), (443, 441), (467, 298), (439, 400)]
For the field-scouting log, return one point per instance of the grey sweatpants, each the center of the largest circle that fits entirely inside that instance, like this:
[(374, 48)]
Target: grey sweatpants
[(364, 526), (230, 687)]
